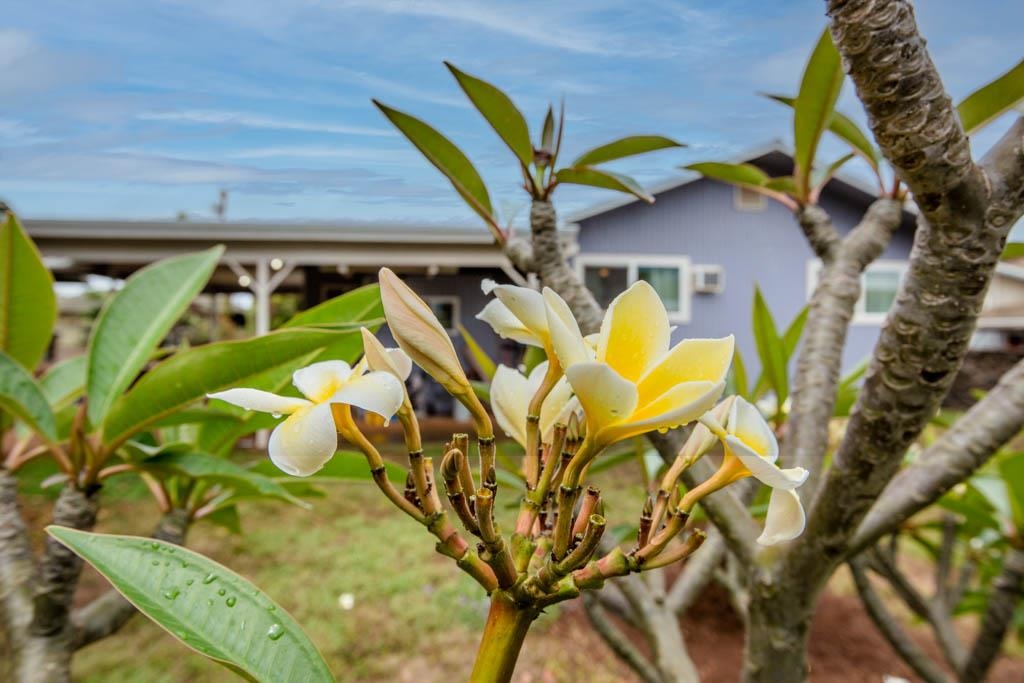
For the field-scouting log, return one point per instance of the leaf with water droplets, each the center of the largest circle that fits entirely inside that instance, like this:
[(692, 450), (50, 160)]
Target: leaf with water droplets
[(184, 600)]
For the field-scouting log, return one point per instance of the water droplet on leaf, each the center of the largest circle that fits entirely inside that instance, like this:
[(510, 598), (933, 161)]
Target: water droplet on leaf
[(275, 631), (230, 602)]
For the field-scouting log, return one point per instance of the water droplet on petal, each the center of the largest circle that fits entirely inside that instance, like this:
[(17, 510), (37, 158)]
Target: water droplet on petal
[(275, 631)]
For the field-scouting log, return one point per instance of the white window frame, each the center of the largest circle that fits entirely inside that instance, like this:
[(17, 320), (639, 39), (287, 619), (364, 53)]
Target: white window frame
[(456, 308), (860, 316), (747, 200), (700, 269), (632, 264)]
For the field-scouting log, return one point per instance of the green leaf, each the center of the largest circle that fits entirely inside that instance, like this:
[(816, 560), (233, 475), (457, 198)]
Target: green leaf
[(744, 175), (770, 348), (738, 376), (584, 175), (625, 147), (483, 362), (188, 376), (547, 136), (206, 467), (22, 398), (820, 180), (1011, 467), (447, 158), (846, 393), (785, 184), (845, 129), (344, 466), (361, 305), (64, 381), (495, 106), (136, 319), (1013, 250), (989, 102), (790, 340), (812, 111), (28, 306), (203, 604), (226, 517)]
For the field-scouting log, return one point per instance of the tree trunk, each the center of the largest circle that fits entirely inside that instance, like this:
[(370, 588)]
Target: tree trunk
[(778, 625)]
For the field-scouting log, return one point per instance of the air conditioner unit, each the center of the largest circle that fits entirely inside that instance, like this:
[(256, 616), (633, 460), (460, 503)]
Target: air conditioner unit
[(709, 279)]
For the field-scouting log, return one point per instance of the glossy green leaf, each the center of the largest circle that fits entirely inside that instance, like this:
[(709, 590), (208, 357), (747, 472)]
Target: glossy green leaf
[(1011, 467), (605, 179), (480, 358), (849, 388), (822, 179), (812, 111), (744, 175), (226, 517), (785, 184), (499, 111), (361, 306), (203, 604), (344, 466), (790, 340), (989, 102), (188, 376), (547, 136), (28, 306), (136, 319), (738, 376), (625, 147), (770, 348), (206, 467), (1013, 250), (447, 158), (64, 381), (845, 129), (21, 397)]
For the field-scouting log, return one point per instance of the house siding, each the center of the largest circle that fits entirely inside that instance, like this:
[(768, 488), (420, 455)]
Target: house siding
[(701, 221)]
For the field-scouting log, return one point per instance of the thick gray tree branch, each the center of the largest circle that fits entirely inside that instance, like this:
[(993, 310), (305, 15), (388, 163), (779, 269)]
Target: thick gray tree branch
[(17, 565), (105, 615), (890, 627), (957, 245), (819, 231), (617, 640), (951, 459), (998, 618), (820, 362), (697, 573)]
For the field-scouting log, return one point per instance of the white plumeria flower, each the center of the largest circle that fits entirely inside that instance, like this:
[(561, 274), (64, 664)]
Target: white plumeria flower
[(635, 382), (516, 313), (307, 439), (511, 393), (751, 451)]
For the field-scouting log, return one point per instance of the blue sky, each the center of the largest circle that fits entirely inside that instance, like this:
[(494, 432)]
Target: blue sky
[(129, 109)]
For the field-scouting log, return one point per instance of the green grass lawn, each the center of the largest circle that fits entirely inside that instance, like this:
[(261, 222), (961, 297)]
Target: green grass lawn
[(415, 616)]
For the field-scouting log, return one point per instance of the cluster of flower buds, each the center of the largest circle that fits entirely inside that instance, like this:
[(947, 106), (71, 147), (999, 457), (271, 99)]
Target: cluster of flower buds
[(591, 393)]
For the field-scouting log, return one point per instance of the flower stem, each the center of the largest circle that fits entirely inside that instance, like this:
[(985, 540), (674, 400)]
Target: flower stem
[(502, 640)]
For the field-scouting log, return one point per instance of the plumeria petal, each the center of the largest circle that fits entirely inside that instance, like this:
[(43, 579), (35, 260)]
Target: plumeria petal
[(747, 425), (303, 443), (607, 398), (763, 470), (554, 408), (319, 381), (395, 361), (694, 359), (510, 397), (506, 324), (634, 332), (376, 391), (525, 304), (679, 405), (565, 333), (263, 401), (785, 520)]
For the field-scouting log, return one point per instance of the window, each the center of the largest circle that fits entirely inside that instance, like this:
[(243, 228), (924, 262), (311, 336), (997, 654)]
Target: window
[(879, 285), (608, 275), (446, 308), (745, 199)]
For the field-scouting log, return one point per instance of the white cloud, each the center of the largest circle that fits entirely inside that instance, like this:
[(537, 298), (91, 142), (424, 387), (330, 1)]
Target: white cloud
[(17, 133), (248, 120), (367, 155)]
